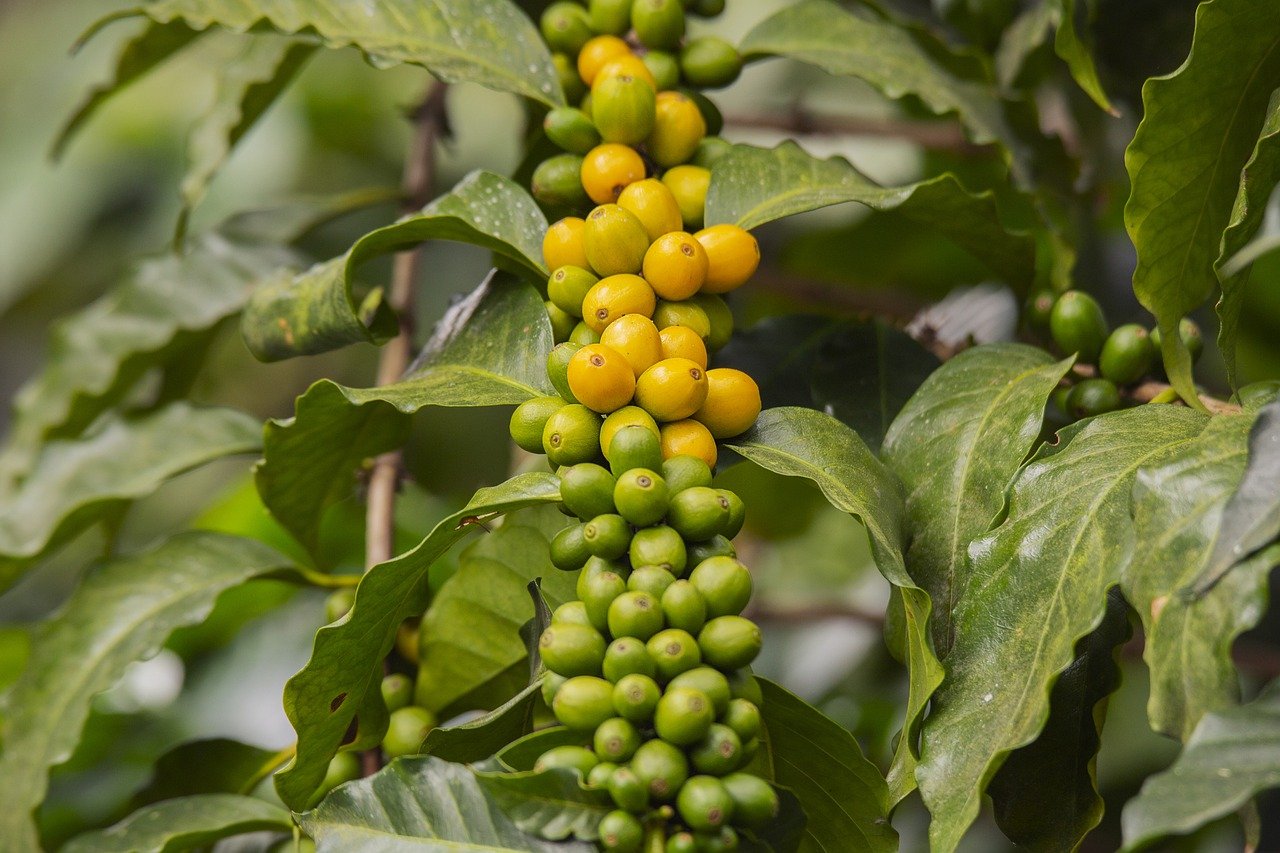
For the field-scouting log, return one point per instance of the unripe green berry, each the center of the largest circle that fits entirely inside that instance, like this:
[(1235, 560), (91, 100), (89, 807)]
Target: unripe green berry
[(1127, 355), (616, 739), (683, 607), (1078, 325), (755, 803), (684, 472), (598, 593), (659, 546), (587, 490), (708, 680), (725, 585), (704, 804), (635, 697), (406, 730), (641, 497), (716, 546), (338, 604), (568, 756), (661, 767), (729, 642), (659, 24), (743, 716), (651, 579), (571, 650), (635, 614), (565, 27), (627, 791), (698, 513), (397, 691), (627, 655), (569, 551), (710, 63), (683, 715), (621, 832), (1093, 397), (601, 774), (719, 752), (583, 702), (674, 651)]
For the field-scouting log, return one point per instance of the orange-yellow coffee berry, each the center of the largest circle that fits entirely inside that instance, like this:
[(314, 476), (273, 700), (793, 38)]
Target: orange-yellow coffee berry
[(654, 205), (615, 240), (597, 53), (562, 245), (608, 169), (629, 65), (688, 438), (683, 342), (672, 390), (689, 185), (616, 296), (636, 338), (600, 378), (678, 127), (625, 417), (676, 266), (732, 404), (732, 256)]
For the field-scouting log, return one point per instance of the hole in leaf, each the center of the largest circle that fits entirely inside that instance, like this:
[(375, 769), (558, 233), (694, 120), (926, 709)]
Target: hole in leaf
[(337, 702)]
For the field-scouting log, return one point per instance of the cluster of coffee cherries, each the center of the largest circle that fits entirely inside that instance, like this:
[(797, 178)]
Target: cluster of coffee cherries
[(1122, 356)]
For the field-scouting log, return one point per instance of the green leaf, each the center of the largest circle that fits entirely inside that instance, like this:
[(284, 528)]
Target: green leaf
[(75, 483), (423, 805), (1039, 584), (482, 738), (1257, 181), (472, 654), (1046, 793), (247, 86), (1185, 160), (213, 766), (956, 446), (182, 824), (804, 443), (293, 218), (325, 308), (523, 753), (843, 795), (751, 186), (151, 319), (122, 612), (551, 804), (1071, 47), (1231, 756), (490, 42), (1179, 513), (1021, 39), (325, 697)]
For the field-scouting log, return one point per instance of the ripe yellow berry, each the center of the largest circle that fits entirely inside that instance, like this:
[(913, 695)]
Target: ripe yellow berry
[(678, 127), (597, 53), (688, 438), (616, 296), (654, 205), (562, 245), (676, 266), (636, 338), (608, 169), (732, 256), (689, 185), (629, 65), (615, 241), (600, 378), (732, 404), (683, 342), (672, 390), (625, 417)]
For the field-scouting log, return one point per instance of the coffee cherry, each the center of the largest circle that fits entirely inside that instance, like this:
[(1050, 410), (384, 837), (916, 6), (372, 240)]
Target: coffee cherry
[(614, 297), (732, 404), (562, 245), (716, 546), (601, 379), (737, 513), (719, 318), (685, 472), (709, 150), (636, 339), (710, 63), (583, 702), (587, 490), (562, 323), (683, 342), (755, 803), (719, 752), (641, 497), (339, 603), (568, 286), (1127, 355), (1190, 334), (626, 656), (599, 52), (665, 68), (732, 257), (558, 181), (571, 650), (729, 642), (725, 583), (397, 691), (621, 832), (551, 684), (744, 686), (567, 74), (659, 24), (1078, 325), (571, 757), (689, 185), (707, 8), (1093, 397), (683, 607), (1038, 310), (682, 842), (615, 241), (558, 368), (529, 420), (571, 129), (610, 16), (635, 697), (625, 417), (597, 592), (625, 66), (406, 730), (675, 266), (743, 717), (583, 335), (724, 840), (710, 112), (622, 108), (654, 205), (697, 513), (683, 716), (661, 768), (607, 170), (704, 804), (633, 447), (607, 536), (673, 651), (651, 579), (672, 390), (601, 774), (570, 613), (659, 546), (635, 614), (678, 127), (627, 791), (616, 739), (565, 27), (572, 435), (343, 767)]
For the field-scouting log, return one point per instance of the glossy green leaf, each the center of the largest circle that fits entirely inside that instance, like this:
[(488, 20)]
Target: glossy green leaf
[(844, 797), (1045, 795), (1038, 584), (1231, 756), (1021, 39), (751, 186), (328, 694), (551, 804), (486, 736), (1179, 513), (804, 443), (75, 483), (472, 654), (212, 766), (490, 42), (1185, 160), (1257, 182), (183, 824), (1071, 46), (523, 753), (956, 447), (122, 612), (424, 805), (326, 307)]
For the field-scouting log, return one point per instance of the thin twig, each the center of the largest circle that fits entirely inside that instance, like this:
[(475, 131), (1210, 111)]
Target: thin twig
[(935, 135)]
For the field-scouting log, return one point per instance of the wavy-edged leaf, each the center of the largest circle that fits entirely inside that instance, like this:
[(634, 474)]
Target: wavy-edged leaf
[(1038, 583), (1257, 181), (75, 483), (122, 612), (1045, 795), (153, 317), (1199, 125), (184, 823), (956, 446), (424, 805), (551, 804), (1179, 513), (751, 186), (482, 738), (1231, 756), (804, 443), (325, 697), (1071, 47), (490, 42), (843, 795), (1020, 40), (326, 308), (247, 86), (211, 766), (472, 654)]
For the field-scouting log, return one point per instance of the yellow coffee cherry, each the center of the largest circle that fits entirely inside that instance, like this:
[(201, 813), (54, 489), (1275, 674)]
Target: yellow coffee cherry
[(689, 185), (629, 65), (600, 378), (625, 417), (683, 342), (732, 404), (732, 256), (609, 169), (676, 265), (678, 127), (672, 390), (615, 241), (597, 53), (616, 296), (688, 438), (562, 245), (685, 314), (654, 205), (636, 338)]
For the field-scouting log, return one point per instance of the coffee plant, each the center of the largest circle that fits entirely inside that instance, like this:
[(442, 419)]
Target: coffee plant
[(1059, 481)]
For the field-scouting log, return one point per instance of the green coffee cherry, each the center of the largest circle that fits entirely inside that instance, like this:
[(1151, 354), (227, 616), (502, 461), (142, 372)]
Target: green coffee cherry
[(558, 182), (562, 323), (338, 604), (572, 130), (661, 768), (674, 651), (683, 607), (598, 593), (568, 286), (716, 546), (406, 730), (343, 767), (743, 717), (1093, 397), (1189, 331), (569, 550), (635, 614), (719, 316), (596, 566), (697, 513), (622, 108), (719, 752), (551, 683), (571, 757), (682, 842), (729, 642), (607, 536), (583, 335), (567, 73), (659, 546), (710, 113), (749, 750), (565, 27), (621, 832), (571, 650), (583, 702), (397, 691), (737, 513), (635, 697), (709, 681), (558, 371), (743, 685), (659, 24), (684, 313), (707, 8), (609, 17), (755, 803), (685, 472), (626, 656), (1127, 355), (633, 447), (601, 774), (664, 67), (725, 584), (529, 420), (724, 840), (572, 435), (653, 580), (683, 715), (570, 613), (709, 150), (587, 490), (710, 63), (628, 791), (1078, 325), (616, 739), (641, 496), (704, 804), (1038, 310)]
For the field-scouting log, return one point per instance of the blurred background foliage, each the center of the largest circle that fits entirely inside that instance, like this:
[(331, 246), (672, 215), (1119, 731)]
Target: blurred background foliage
[(69, 230)]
